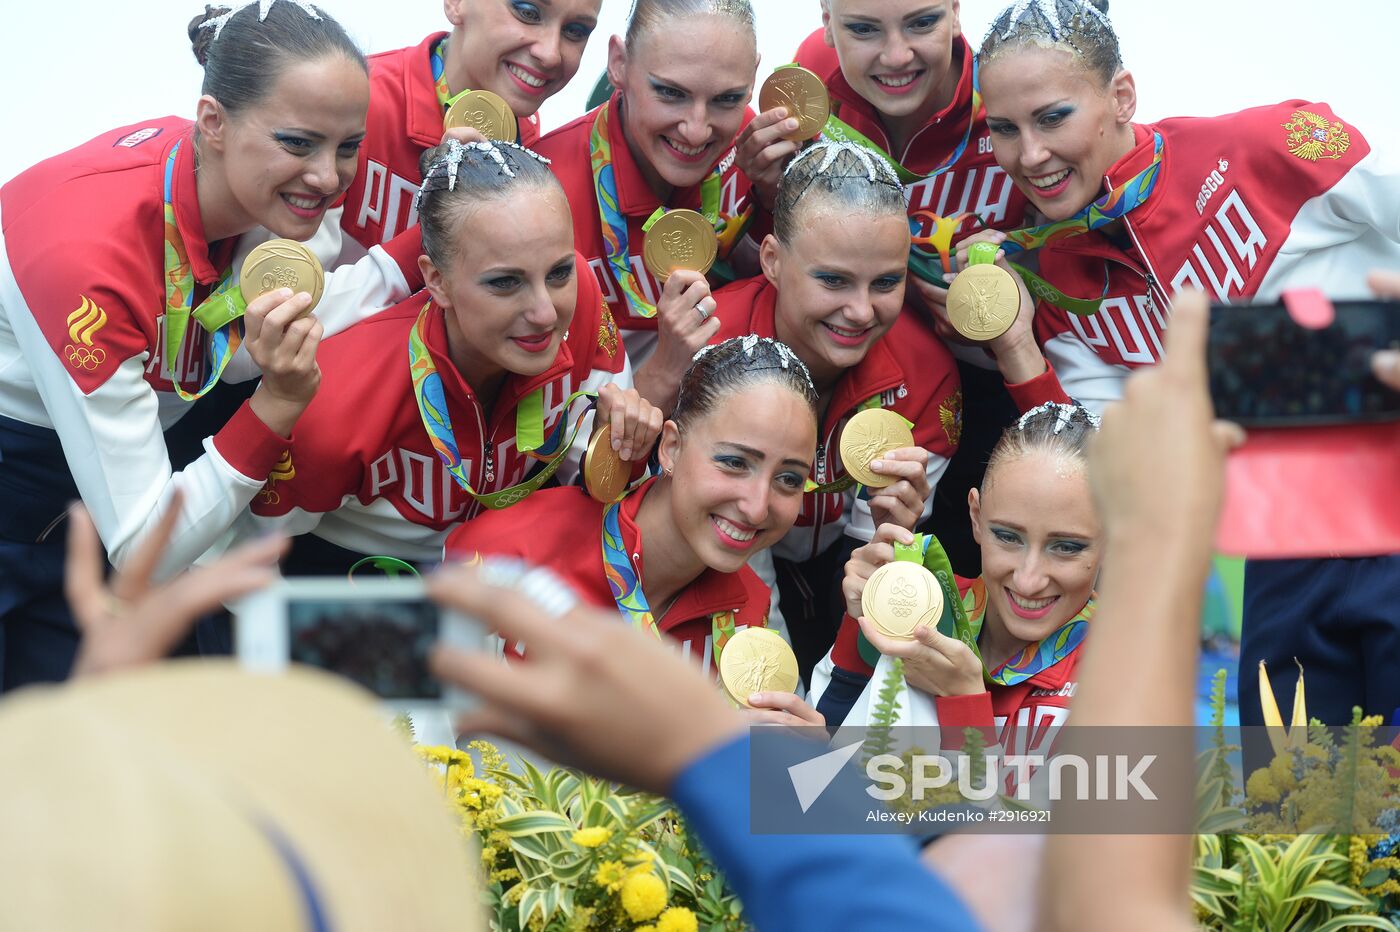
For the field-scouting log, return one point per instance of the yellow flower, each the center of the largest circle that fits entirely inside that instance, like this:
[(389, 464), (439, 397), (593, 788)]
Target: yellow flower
[(677, 919), (646, 928), (609, 875), (592, 837), (643, 896), (1261, 787)]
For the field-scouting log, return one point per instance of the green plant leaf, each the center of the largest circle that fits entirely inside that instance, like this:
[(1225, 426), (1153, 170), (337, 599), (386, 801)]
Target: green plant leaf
[(1356, 921), (1331, 893), (535, 822)]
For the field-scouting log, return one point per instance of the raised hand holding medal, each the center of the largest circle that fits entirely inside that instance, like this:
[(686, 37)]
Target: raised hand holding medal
[(679, 239), (868, 436), (802, 94), (984, 300)]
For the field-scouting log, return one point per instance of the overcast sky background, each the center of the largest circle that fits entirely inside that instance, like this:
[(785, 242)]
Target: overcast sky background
[(69, 71)]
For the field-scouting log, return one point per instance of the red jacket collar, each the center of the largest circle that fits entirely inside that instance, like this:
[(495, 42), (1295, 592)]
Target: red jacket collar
[(207, 264), (423, 110), (861, 114), (515, 387), (878, 372), (635, 197), (712, 592)]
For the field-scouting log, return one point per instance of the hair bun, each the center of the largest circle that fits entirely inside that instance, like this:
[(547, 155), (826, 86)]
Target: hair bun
[(201, 37)]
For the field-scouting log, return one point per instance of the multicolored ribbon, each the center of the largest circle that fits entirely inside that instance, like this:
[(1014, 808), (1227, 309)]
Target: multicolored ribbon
[(1114, 205), (847, 481), (431, 398), (614, 222), (224, 303), (1037, 657), (627, 587), (438, 59), (841, 131)]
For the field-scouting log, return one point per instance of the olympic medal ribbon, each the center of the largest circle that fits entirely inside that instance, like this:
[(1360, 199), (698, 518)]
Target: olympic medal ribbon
[(1114, 205), (431, 398), (179, 300), (626, 586), (614, 222)]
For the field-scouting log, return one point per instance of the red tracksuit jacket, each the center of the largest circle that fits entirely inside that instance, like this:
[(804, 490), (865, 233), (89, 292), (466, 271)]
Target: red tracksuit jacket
[(362, 471), (562, 529), (405, 120), (1245, 205)]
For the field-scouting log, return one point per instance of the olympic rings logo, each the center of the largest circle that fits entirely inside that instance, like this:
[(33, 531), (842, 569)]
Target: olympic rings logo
[(82, 357)]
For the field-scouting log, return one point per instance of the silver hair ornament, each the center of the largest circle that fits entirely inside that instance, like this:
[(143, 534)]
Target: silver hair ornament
[(1022, 11), (1063, 414), (264, 6), (877, 169)]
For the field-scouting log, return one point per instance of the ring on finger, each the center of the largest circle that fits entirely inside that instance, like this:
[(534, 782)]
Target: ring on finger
[(703, 310)]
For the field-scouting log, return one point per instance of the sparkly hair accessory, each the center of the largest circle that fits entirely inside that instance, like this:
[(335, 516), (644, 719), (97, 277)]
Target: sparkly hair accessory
[(1083, 28), (786, 357), (877, 168), (1022, 12), (442, 173), (1063, 415), (264, 6)]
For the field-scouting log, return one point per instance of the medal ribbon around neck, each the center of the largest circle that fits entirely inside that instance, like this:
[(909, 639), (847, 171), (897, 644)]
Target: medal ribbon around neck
[(1114, 205), (431, 399), (847, 481), (225, 302), (626, 586), (1037, 657), (614, 222)]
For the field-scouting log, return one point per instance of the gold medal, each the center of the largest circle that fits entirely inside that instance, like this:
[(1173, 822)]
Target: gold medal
[(679, 239), (605, 473), (900, 596), (484, 112), (983, 301), (868, 436), (803, 94), (281, 263), (757, 660)]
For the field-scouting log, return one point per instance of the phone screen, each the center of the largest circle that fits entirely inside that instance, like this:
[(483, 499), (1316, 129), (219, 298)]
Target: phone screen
[(1266, 370), (382, 644)]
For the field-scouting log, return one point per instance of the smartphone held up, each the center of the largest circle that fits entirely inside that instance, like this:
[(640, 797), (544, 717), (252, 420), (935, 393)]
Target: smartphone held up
[(376, 632), (1318, 473)]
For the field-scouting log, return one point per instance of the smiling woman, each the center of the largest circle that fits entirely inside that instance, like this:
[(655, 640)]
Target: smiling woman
[(524, 51), (665, 140), (105, 245), (672, 556), (1029, 611), (470, 397), (832, 288)]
